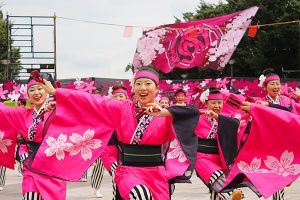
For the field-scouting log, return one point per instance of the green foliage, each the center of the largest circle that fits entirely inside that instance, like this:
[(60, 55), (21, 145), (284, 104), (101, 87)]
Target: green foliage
[(14, 54), (274, 46)]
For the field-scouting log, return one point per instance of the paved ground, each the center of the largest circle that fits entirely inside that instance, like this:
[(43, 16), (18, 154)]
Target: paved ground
[(83, 190)]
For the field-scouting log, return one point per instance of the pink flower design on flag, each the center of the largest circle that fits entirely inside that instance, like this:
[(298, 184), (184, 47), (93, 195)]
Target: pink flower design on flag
[(57, 147), (2, 93), (84, 144), (250, 168), (284, 166), (4, 142), (89, 87), (176, 152), (16, 88), (13, 96)]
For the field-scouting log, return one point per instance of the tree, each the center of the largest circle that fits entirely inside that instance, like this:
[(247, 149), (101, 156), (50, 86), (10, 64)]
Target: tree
[(14, 54), (274, 46)]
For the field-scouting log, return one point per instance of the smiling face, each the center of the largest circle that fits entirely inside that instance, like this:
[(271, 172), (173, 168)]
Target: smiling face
[(273, 88), (37, 95), (164, 103), (180, 98), (145, 91), (214, 105)]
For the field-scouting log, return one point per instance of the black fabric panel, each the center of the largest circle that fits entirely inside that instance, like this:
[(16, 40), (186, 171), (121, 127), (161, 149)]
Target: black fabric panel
[(185, 120), (227, 137), (272, 105)]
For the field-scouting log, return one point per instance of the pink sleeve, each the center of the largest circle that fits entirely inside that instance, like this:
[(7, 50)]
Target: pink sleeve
[(14, 117)]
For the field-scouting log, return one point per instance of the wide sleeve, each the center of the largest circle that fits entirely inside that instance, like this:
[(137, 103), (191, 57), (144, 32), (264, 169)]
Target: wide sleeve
[(77, 134), (228, 138), (11, 119), (185, 120)]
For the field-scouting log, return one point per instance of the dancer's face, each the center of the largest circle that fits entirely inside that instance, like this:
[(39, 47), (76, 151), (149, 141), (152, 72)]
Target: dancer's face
[(120, 96), (37, 95), (273, 88), (145, 91), (215, 105)]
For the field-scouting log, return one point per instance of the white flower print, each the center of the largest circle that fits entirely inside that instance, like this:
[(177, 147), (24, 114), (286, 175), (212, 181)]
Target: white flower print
[(13, 96), (4, 143), (284, 167), (204, 95), (57, 147), (169, 82), (78, 81), (176, 152), (261, 79), (84, 144), (252, 168)]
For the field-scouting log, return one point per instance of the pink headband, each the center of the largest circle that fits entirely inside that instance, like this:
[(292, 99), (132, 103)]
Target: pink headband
[(147, 74), (179, 94), (164, 98), (215, 96), (120, 90), (31, 83), (271, 78)]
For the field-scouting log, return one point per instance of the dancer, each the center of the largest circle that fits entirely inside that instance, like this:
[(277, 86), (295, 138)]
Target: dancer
[(30, 123), (141, 135)]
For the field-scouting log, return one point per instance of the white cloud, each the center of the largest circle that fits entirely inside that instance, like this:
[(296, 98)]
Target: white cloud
[(85, 49)]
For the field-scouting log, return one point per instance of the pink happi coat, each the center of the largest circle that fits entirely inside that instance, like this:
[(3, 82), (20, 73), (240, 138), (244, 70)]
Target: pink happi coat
[(206, 164), (285, 103), (79, 133), (20, 119), (270, 158)]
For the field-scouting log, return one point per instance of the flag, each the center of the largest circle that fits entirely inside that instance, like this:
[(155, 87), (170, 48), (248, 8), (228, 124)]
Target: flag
[(207, 43), (127, 31), (252, 31)]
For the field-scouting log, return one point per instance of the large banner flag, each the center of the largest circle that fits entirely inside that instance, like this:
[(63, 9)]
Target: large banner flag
[(207, 43), (270, 158)]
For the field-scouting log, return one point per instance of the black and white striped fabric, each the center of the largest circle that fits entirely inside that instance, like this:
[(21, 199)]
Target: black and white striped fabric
[(279, 195), (32, 196), (112, 173), (97, 174), (140, 192), (215, 195), (2, 176)]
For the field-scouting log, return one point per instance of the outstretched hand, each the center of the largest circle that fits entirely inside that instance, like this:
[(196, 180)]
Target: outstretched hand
[(154, 109)]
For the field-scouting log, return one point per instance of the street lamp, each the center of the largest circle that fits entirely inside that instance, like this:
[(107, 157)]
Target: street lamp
[(231, 63)]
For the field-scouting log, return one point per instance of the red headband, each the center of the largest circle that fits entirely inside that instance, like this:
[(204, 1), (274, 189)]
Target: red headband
[(179, 94), (215, 96), (31, 83), (147, 74), (164, 98), (120, 90), (271, 78)]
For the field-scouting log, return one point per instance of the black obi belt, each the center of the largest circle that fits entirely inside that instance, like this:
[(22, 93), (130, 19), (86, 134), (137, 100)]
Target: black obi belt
[(209, 146), (141, 155)]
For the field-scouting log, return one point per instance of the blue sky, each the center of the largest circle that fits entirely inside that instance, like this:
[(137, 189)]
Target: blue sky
[(91, 50)]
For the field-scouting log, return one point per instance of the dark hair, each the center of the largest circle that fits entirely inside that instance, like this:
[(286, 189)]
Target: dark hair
[(22, 101), (179, 91), (118, 86), (149, 68), (269, 72), (213, 90)]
